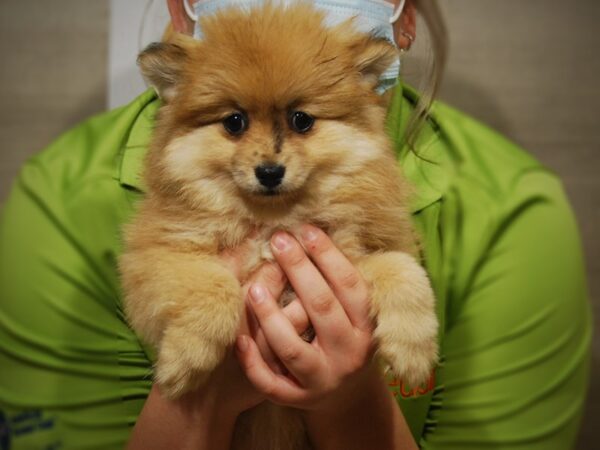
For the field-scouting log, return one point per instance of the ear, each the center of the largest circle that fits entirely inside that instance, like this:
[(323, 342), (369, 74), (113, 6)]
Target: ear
[(373, 55), (406, 26), (179, 19), (161, 64)]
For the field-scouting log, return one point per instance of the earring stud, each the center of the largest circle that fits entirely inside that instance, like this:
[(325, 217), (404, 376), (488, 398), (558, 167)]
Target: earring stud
[(410, 38)]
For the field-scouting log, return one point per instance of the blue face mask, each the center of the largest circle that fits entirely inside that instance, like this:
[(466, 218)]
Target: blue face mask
[(371, 16)]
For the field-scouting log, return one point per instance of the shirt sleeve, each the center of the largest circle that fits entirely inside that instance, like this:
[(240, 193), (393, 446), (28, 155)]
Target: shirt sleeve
[(515, 354), (73, 375)]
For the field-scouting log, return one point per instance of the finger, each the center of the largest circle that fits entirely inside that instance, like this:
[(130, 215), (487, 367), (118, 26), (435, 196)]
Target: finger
[(276, 387), (299, 320), (296, 314), (248, 323), (271, 276), (298, 356), (324, 310), (346, 281)]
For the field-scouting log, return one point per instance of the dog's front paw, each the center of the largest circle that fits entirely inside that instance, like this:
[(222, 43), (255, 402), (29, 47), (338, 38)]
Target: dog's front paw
[(404, 306), (185, 362), (410, 355)]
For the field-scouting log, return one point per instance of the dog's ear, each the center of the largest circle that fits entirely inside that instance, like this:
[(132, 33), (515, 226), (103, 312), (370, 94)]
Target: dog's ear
[(161, 64), (373, 55)]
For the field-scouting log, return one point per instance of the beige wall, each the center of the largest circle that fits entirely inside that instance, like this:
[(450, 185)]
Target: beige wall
[(53, 73), (530, 69)]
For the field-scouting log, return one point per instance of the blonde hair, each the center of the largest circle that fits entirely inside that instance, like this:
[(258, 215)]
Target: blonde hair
[(438, 37)]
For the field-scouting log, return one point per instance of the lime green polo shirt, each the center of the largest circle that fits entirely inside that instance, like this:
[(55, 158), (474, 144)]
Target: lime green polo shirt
[(501, 247)]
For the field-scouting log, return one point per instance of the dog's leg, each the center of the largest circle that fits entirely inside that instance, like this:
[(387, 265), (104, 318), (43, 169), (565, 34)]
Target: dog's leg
[(186, 305), (403, 306)]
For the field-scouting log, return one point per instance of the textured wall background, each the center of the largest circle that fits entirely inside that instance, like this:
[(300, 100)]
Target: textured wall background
[(528, 69), (53, 74)]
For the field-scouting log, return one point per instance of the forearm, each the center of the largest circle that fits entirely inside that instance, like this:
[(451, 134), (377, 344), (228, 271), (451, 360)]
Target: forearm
[(189, 423), (371, 420)]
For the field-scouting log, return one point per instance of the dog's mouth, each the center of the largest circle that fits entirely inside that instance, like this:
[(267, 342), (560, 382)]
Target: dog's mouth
[(270, 192), (273, 195)]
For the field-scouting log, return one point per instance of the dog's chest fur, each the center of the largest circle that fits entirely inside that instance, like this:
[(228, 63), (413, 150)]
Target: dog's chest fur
[(260, 250)]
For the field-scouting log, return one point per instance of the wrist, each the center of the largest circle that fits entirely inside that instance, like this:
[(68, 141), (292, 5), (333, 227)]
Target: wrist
[(371, 418), (203, 405), (355, 395), (196, 420)]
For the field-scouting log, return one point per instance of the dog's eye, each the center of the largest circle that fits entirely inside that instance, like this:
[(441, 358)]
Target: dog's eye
[(301, 122), (236, 123)]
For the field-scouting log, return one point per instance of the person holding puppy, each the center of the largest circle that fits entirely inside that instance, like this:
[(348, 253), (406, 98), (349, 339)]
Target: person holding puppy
[(499, 243)]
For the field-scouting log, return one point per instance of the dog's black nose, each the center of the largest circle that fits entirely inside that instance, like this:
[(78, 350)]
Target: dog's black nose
[(270, 175)]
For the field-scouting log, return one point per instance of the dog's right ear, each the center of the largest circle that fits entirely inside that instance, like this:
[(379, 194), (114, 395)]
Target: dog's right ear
[(161, 64)]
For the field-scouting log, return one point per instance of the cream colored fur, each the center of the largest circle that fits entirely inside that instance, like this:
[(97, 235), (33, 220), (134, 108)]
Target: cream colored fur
[(203, 196)]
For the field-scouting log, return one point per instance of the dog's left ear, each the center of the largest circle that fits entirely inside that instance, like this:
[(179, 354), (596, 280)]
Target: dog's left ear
[(373, 55)]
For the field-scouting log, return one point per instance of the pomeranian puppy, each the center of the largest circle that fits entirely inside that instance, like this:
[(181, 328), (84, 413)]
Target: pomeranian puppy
[(271, 121)]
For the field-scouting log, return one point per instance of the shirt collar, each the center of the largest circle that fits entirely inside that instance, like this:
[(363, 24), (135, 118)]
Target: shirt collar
[(429, 171), (133, 153), (430, 167)]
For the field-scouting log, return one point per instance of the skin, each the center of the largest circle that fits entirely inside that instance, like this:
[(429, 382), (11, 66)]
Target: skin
[(332, 379)]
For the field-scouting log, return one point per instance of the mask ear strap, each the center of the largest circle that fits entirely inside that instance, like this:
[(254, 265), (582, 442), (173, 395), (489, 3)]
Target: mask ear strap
[(192, 15), (393, 19)]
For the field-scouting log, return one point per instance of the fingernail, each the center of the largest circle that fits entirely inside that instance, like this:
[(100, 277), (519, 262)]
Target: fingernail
[(308, 233), (257, 293), (281, 241), (242, 343)]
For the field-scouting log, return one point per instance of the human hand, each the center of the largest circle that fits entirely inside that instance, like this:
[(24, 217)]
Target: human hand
[(188, 421), (236, 393), (330, 378), (325, 374)]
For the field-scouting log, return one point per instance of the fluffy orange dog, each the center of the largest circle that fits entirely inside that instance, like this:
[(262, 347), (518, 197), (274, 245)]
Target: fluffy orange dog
[(260, 132)]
